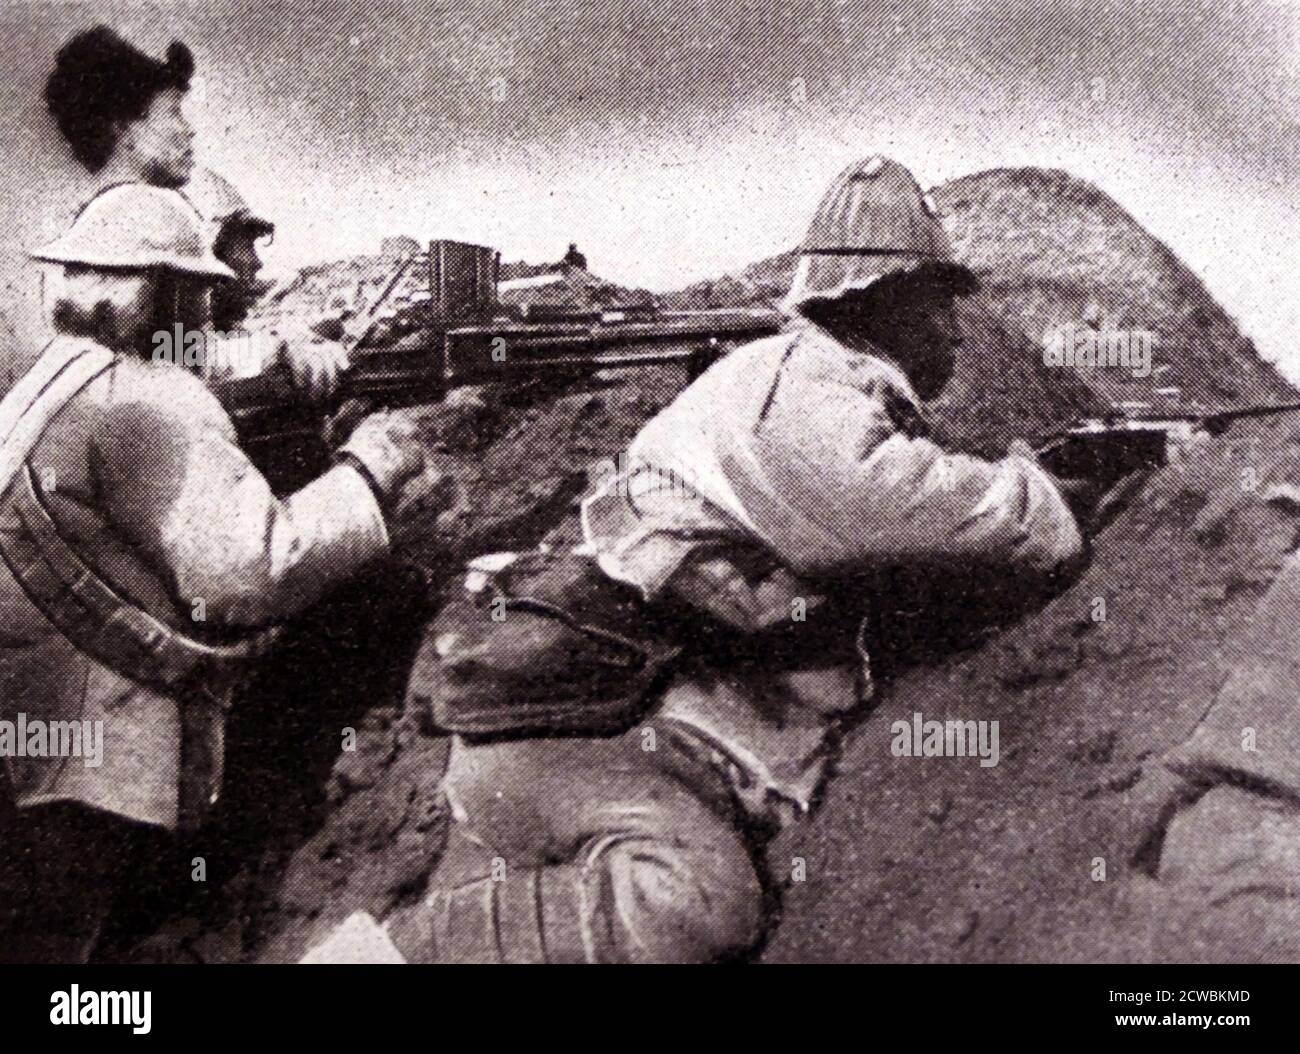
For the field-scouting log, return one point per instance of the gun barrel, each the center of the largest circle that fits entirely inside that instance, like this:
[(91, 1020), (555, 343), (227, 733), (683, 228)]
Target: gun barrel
[(271, 416), (1105, 444), (492, 352), (1217, 421)]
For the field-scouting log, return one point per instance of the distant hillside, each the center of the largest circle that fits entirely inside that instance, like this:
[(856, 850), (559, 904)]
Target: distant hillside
[(760, 283), (565, 285), (1054, 250), (1051, 250)]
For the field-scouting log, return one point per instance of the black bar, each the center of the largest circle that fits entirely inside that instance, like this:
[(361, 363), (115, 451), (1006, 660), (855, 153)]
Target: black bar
[(432, 1006)]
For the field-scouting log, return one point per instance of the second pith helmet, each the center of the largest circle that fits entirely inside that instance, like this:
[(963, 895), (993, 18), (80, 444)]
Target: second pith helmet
[(134, 227), (873, 221), (219, 202)]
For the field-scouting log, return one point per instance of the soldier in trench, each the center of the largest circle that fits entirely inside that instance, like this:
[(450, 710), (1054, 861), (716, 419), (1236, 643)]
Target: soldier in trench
[(787, 469), (147, 563)]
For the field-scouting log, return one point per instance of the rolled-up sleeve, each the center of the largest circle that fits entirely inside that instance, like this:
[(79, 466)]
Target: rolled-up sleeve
[(177, 486)]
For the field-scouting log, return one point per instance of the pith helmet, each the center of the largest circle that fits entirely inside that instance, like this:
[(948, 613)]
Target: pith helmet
[(873, 221), (131, 227), (219, 203)]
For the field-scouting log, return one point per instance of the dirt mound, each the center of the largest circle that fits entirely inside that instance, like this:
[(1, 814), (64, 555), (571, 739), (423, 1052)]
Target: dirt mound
[(939, 859), (1055, 250), (909, 859)]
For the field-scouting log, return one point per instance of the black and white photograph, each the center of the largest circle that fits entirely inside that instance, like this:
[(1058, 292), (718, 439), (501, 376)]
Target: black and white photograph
[(753, 482)]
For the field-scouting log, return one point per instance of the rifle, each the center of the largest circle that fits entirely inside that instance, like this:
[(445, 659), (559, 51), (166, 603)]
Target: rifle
[(1113, 445)]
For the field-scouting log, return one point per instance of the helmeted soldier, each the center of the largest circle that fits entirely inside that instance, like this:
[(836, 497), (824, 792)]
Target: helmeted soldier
[(146, 561), (314, 362), (235, 231), (793, 463)]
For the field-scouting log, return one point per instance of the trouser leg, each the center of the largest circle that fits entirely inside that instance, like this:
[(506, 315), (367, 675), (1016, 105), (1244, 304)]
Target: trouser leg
[(72, 861), (580, 851)]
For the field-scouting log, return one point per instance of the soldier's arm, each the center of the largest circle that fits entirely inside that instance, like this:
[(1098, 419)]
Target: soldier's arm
[(177, 486), (931, 501), (893, 496)]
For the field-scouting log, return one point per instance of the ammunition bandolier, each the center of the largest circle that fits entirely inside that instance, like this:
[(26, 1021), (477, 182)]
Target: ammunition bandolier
[(125, 501), (128, 640)]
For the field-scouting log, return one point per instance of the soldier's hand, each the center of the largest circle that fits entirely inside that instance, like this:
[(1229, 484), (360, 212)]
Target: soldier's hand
[(339, 425), (315, 364), (1077, 491), (1095, 502), (1117, 498), (1081, 493), (388, 445)]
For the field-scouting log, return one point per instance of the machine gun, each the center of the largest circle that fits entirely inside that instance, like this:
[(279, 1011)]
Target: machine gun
[(1113, 445), (460, 334)]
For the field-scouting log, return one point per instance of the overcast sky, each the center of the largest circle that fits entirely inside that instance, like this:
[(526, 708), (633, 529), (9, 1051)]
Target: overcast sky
[(677, 139)]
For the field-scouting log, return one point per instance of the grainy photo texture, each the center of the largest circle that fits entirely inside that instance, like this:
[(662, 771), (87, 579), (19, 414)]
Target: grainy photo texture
[(704, 481)]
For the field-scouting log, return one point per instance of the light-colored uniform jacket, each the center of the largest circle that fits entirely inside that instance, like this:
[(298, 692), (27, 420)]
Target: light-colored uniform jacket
[(142, 475), (817, 453), (802, 445)]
